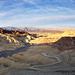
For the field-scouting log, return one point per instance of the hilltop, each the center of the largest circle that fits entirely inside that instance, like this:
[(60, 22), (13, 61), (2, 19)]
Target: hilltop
[(13, 32), (13, 39)]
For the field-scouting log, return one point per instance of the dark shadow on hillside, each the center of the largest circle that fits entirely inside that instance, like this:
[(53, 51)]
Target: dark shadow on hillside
[(11, 52), (65, 43)]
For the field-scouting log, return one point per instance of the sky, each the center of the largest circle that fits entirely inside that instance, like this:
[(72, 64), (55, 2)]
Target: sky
[(37, 13)]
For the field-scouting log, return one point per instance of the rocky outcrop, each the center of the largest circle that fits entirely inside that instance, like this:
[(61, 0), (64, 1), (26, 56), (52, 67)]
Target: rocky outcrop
[(68, 33), (65, 43), (14, 39), (10, 42), (14, 32)]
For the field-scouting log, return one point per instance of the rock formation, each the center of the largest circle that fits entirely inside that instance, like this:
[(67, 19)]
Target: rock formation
[(14, 32), (65, 43)]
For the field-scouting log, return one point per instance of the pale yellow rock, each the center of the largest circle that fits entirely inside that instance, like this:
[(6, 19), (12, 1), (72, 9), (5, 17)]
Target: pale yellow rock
[(43, 40), (29, 37), (69, 33), (12, 39), (10, 42)]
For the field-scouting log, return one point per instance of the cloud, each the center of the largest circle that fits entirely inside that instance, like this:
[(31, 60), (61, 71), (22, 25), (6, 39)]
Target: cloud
[(72, 1), (64, 1), (2, 14), (33, 19), (30, 1), (2, 3), (48, 8), (21, 15), (27, 20)]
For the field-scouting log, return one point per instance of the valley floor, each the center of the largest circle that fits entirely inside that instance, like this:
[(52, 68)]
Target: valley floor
[(34, 62)]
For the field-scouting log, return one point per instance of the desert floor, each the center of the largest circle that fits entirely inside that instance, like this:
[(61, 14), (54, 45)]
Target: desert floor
[(47, 54)]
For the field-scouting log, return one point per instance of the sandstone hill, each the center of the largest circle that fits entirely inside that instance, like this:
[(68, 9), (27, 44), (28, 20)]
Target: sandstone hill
[(14, 32), (65, 43), (62, 41), (13, 39), (9, 42)]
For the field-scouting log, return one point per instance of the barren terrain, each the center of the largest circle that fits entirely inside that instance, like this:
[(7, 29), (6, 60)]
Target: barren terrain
[(40, 54)]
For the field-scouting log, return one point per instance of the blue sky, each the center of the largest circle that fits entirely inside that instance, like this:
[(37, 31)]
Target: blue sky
[(37, 13)]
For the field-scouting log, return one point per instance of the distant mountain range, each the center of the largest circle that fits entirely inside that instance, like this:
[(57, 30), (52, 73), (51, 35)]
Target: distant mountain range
[(36, 30)]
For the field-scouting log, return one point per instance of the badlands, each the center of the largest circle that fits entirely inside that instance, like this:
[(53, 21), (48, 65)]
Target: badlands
[(22, 53)]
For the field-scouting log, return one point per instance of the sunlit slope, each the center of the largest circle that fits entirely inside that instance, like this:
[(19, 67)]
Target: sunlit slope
[(48, 38)]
